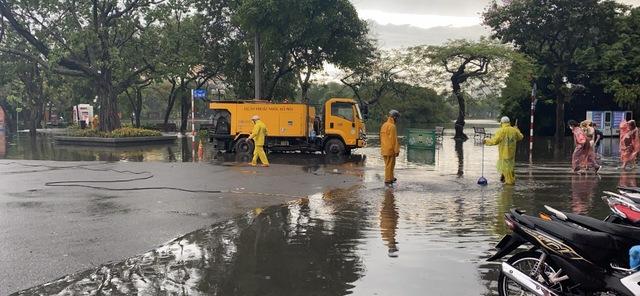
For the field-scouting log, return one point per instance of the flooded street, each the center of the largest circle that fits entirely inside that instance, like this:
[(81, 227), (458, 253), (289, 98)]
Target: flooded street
[(430, 235)]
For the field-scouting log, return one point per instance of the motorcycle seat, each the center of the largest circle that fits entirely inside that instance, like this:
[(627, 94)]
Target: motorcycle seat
[(595, 246), (623, 231)]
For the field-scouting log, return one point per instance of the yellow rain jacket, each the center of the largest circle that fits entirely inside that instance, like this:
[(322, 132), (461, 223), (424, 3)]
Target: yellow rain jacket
[(259, 133), (506, 138), (389, 145)]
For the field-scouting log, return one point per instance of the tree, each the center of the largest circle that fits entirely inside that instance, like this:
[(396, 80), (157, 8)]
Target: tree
[(465, 62), (378, 76), (297, 37), (553, 32), (134, 95), (87, 38), (616, 64), (27, 82), (515, 96), (193, 49)]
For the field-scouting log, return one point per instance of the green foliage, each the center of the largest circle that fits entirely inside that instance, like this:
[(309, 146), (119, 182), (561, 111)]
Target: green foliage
[(88, 132), (617, 64), (103, 41), (555, 34), (418, 106), (516, 95), (553, 31), (202, 135), (124, 132), (129, 132), (297, 38)]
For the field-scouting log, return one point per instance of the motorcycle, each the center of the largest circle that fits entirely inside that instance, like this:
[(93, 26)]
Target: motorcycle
[(568, 255), (625, 208)]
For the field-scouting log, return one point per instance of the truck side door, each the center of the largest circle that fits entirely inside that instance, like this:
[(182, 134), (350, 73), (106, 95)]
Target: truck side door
[(341, 122)]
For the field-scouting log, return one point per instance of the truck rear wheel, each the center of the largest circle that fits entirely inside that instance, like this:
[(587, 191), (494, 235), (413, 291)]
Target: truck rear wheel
[(244, 145), (334, 146)]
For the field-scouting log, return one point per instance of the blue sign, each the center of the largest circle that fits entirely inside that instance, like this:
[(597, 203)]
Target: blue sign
[(200, 93)]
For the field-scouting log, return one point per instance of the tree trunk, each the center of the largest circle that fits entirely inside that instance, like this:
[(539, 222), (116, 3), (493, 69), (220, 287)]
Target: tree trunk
[(108, 115), (461, 111), (185, 104), (36, 117), (460, 154), (137, 110), (561, 98), (304, 86), (170, 103), (32, 124)]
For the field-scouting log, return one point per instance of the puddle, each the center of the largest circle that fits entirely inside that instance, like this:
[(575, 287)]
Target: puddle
[(431, 233)]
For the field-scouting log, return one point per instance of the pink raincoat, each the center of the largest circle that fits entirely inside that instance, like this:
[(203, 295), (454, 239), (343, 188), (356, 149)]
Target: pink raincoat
[(583, 156), (629, 146)]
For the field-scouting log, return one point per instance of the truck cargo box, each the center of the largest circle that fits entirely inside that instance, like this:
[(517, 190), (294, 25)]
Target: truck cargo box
[(282, 120)]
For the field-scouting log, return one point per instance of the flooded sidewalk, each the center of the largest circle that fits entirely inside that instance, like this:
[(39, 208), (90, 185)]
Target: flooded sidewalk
[(430, 234)]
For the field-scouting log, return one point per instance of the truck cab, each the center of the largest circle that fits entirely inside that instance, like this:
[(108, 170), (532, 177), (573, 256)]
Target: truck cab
[(343, 126)]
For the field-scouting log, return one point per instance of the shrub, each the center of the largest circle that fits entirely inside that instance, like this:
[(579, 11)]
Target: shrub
[(202, 135), (128, 132), (125, 132), (87, 133)]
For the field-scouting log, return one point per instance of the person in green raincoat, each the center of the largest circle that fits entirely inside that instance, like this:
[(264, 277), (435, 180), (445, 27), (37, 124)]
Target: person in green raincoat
[(506, 138)]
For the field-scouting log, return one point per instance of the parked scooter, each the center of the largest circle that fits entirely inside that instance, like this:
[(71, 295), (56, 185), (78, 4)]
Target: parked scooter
[(625, 208), (569, 255)]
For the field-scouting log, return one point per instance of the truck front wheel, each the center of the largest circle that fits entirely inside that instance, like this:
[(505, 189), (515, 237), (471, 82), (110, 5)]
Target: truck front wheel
[(334, 146), (244, 145)]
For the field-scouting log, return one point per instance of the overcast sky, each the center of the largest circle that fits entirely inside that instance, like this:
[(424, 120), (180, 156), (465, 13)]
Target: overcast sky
[(428, 13)]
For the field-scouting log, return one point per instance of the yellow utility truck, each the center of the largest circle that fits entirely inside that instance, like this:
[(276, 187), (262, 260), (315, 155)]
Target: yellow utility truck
[(337, 129)]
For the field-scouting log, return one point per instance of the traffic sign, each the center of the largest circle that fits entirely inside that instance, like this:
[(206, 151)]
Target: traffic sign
[(200, 93)]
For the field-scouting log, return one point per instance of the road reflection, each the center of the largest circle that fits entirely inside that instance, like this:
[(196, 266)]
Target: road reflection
[(389, 222), (340, 242), (283, 250), (582, 191)]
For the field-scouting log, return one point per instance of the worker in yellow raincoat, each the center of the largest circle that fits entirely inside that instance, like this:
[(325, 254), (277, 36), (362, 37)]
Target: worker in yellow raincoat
[(389, 146), (506, 138), (258, 135)]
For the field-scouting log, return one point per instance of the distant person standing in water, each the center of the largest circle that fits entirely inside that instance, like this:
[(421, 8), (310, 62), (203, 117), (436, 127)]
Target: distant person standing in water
[(581, 159), (590, 132), (599, 135), (630, 146), (506, 138), (389, 146)]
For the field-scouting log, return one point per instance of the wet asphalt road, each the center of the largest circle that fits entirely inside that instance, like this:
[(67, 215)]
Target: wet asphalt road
[(50, 231), (430, 235)]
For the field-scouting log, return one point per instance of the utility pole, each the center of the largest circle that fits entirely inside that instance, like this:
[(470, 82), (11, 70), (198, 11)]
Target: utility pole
[(18, 110), (534, 100), (257, 67)]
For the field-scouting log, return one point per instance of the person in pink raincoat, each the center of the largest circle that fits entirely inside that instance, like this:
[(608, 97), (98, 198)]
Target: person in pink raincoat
[(581, 158), (629, 145), (590, 132)]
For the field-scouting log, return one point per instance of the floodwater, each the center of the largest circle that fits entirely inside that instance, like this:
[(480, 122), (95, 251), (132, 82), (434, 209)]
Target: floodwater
[(430, 235)]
